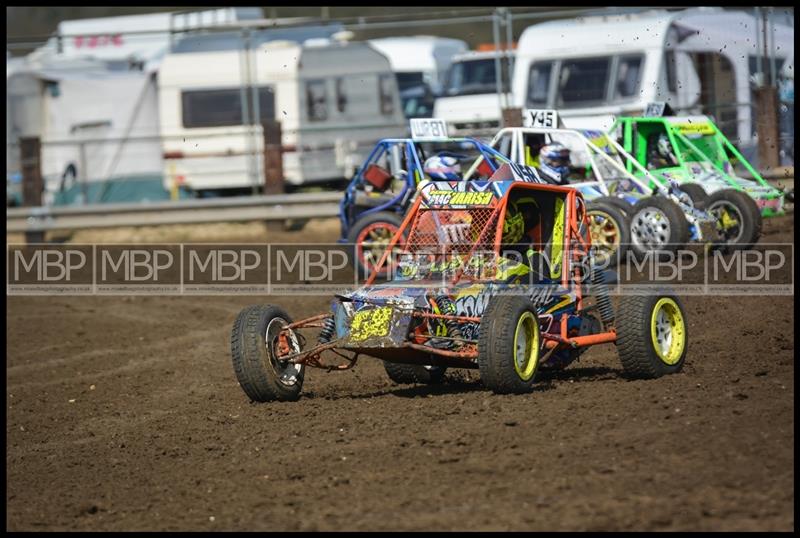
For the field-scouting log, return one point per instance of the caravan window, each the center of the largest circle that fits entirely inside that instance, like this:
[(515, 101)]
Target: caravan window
[(539, 84), (223, 108), (385, 91), (316, 100), (629, 77), (341, 96), (583, 82), (672, 76)]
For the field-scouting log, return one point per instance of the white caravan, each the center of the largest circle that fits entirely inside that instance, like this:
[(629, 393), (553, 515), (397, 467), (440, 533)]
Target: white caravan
[(333, 100), (469, 101), (115, 39), (98, 131), (420, 64), (699, 60), (90, 95)]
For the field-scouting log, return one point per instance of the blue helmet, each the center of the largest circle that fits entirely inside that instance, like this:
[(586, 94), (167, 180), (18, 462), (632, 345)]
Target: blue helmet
[(442, 167), (555, 159)]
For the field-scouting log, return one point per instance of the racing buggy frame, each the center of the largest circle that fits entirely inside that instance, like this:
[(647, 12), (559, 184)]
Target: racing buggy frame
[(459, 298), (382, 190), (697, 155), (627, 210)]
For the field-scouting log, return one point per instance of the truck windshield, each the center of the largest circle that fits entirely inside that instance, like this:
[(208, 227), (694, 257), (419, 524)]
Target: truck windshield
[(409, 79), (470, 77)]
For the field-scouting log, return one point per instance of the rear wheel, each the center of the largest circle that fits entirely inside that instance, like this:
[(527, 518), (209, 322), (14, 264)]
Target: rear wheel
[(610, 232), (258, 342), (414, 373), (652, 337), (370, 237), (658, 224), (738, 219), (509, 344)]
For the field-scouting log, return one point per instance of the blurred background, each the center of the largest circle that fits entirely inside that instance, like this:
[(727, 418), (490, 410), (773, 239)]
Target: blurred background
[(146, 104)]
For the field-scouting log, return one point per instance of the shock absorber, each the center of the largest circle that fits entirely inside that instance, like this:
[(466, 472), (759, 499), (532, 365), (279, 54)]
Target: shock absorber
[(601, 295), (328, 328), (447, 306)]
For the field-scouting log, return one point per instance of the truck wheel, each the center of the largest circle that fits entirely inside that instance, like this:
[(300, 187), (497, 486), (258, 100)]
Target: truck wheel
[(697, 193), (658, 223), (370, 236), (414, 373), (610, 231), (652, 336), (256, 345), (739, 220), (509, 345)]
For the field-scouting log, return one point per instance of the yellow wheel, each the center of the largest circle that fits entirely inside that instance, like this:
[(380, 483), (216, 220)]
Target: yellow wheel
[(652, 335), (509, 343), (668, 330), (526, 346)]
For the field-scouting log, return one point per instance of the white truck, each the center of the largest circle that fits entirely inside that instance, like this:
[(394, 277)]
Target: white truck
[(420, 64), (470, 102), (699, 60)]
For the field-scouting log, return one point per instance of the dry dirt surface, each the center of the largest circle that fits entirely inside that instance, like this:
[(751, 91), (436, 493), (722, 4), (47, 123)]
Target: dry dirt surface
[(123, 413)]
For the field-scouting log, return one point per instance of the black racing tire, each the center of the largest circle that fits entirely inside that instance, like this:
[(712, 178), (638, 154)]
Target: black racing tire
[(745, 210), (379, 223), (657, 224), (697, 193), (648, 346), (414, 373), (260, 374), (620, 203), (497, 345), (607, 221)]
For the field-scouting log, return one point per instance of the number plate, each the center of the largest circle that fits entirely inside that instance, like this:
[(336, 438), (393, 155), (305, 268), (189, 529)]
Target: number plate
[(535, 117), (428, 129), (370, 323)]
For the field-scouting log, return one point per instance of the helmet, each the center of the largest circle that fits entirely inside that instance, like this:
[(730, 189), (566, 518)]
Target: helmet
[(663, 145), (442, 167), (554, 158)]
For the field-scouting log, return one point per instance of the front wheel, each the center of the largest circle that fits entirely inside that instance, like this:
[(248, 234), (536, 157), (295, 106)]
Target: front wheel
[(509, 345), (370, 238), (652, 339), (658, 224), (610, 231), (258, 343)]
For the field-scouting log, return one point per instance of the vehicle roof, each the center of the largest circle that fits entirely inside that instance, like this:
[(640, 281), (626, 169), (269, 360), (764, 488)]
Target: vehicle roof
[(595, 33), (417, 53), (224, 41), (697, 28), (481, 55)]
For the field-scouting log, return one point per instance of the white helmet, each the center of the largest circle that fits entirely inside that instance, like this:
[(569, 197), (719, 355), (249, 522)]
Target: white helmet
[(442, 167)]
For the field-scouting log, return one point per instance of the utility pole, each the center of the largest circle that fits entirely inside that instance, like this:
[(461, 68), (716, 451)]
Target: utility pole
[(766, 101)]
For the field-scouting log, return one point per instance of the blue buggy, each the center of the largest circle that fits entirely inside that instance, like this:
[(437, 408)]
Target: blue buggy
[(381, 191)]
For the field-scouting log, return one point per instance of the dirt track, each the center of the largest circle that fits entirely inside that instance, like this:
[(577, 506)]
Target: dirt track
[(160, 436)]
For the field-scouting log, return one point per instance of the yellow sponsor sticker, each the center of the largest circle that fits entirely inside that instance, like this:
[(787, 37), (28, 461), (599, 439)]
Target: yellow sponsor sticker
[(439, 197), (695, 128), (370, 323)]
